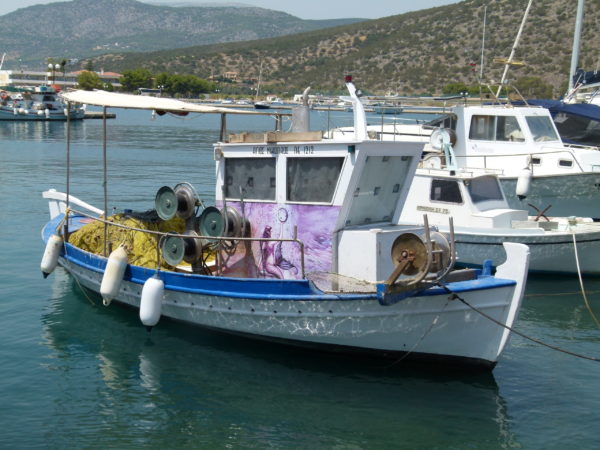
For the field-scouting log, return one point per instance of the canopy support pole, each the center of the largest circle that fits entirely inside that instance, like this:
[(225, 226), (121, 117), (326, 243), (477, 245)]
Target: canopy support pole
[(66, 228), (223, 127), (105, 179)]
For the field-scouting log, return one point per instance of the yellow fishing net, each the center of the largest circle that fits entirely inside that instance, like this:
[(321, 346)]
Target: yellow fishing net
[(141, 247)]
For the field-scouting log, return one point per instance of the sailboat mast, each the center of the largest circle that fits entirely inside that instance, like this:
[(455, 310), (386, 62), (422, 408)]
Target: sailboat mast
[(258, 85), (483, 43), (516, 44), (576, 43)]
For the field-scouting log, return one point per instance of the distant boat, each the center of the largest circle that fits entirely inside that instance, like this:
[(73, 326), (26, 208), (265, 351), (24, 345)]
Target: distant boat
[(39, 103), (387, 109), (262, 105)]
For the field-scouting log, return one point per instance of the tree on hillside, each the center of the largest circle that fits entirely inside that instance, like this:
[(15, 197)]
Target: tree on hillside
[(135, 79), (185, 85), (89, 81), (533, 87)]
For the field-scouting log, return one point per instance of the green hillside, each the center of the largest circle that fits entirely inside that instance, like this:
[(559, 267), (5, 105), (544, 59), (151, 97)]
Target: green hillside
[(417, 52)]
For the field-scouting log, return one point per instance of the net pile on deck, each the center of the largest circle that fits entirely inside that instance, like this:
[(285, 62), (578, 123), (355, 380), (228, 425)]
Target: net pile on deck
[(141, 247)]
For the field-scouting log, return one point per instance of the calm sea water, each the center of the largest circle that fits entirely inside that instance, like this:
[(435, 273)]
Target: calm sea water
[(75, 373)]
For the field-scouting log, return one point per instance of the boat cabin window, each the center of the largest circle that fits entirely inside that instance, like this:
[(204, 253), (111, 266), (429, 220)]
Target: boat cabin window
[(312, 179), (577, 129), (536, 161), (381, 183), (445, 191), (485, 188), (495, 128), (447, 121), (541, 128), (565, 162), (254, 176)]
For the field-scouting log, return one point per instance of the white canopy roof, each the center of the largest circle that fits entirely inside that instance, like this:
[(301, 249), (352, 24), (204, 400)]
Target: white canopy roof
[(116, 100)]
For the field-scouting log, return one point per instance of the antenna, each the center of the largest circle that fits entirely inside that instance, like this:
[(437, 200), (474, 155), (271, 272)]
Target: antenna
[(576, 40), (483, 43), (512, 52), (2, 61)]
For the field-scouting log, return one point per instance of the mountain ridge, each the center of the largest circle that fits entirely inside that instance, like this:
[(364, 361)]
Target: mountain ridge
[(84, 28)]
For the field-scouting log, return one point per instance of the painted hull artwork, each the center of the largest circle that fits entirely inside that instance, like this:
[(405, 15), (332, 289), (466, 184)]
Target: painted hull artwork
[(283, 260)]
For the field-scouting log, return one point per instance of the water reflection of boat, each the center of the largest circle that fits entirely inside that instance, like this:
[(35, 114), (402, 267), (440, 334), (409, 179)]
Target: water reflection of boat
[(39, 103), (296, 258)]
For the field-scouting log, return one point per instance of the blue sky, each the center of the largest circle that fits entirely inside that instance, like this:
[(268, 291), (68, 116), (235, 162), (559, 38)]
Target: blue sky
[(305, 9)]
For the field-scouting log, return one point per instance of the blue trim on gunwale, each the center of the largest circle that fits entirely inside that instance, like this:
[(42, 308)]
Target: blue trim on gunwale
[(248, 288)]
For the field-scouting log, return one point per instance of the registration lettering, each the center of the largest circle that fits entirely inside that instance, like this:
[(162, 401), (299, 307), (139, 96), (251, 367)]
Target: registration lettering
[(432, 209)]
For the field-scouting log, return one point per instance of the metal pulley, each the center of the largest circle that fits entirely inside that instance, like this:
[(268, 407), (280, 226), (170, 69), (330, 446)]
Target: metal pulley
[(411, 257), (172, 249), (420, 256), (181, 201), (193, 247), (215, 222)]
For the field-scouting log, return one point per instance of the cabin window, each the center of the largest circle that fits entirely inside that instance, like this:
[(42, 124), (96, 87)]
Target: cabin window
[(445, 191), (254, 176), (448, 121), (483, 189), (379, 188), (312, 179), (577, 129), (541, 128), (536, 161), (565, 163), (495, 128)]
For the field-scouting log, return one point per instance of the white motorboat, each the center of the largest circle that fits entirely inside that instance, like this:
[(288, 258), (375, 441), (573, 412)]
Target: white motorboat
[(514, 141), (484, 221), (38, 103), (302, 247)]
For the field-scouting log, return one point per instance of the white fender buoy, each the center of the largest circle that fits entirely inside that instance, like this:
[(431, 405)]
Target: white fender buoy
[(51, 254), (15, 111), (47, 113), (65, 112), (113, 275), (151, 301), (524, 183), (40, 113)]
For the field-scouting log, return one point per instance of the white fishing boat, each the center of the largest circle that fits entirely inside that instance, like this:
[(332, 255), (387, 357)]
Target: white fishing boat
[(302, 247), (37, 103), (483, 222), (514, 141)]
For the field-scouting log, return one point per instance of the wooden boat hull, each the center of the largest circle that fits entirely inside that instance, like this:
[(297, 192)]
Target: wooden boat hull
[(427, 326)]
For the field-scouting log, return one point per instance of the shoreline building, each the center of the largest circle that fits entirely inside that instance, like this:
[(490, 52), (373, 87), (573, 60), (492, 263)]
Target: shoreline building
[(56, 78)]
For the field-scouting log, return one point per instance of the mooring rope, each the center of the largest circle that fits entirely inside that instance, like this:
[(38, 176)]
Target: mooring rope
[(585, 299), (455, 296)]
